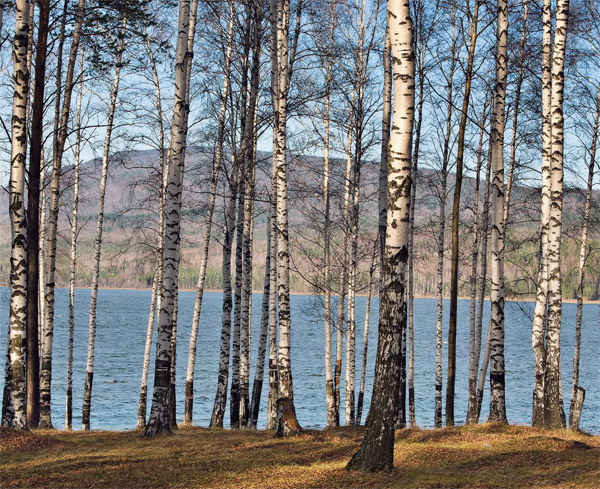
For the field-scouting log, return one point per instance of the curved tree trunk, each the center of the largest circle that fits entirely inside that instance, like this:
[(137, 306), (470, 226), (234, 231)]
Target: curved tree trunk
[(73, 263), (583, 254), (89, 371), (377, 449)]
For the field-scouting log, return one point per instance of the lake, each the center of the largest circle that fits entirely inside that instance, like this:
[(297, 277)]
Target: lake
[(121, 331)]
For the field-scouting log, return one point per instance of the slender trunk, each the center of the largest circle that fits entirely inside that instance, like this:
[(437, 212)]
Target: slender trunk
[(15, 415), (385, 141), (451, 377), (474, 348), (281, 73), (160, 414), (344, 275), (497, 370), (583, 254), (541, 303), (411, 253), (442, 229), (60, 138), (157, 280), (234, 402), (73, 263), (481, 299), (262, 341), (361, 392), (329, 386), (217, 162), (250, 156), (377, 449), (33, 208), (273, 368), (89, 371), (172, 368), (554, 415)]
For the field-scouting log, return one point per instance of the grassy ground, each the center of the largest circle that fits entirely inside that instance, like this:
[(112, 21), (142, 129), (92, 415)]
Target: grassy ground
[(482, 456)]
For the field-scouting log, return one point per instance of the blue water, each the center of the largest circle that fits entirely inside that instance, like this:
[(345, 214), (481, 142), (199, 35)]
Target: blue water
[(121, 332)]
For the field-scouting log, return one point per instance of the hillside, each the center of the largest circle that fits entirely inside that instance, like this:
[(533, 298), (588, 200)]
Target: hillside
[(130, 226)]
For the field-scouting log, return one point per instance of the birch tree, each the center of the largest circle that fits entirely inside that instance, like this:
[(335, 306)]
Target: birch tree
[(451, 375), (547, 399), (16, 416), (217, 162), (376, 452), (89, 371), (160, 421), (442, 220), (578, 392), (58, 147), (33, 207), (281, 72), (73, 261), (497, 373)]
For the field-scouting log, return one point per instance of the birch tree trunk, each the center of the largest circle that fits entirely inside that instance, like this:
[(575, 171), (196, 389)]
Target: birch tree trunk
[(473, 346), (541, 304), (160, 413), (497, 372), (361, 392), (442, 228), (262, 341), (33, 208), (73, 262), (330, 396), (377, 449), (344, 275), (234, 401), (281, 73), (59, 140), (451, 377), (89, 371), (583, 254), (481, 299), (554, 412), (15, 415), (385, 140), (273, 368), (217, 162), (157, 280)]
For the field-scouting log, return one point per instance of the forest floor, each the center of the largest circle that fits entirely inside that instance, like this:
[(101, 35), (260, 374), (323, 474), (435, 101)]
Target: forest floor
[(483, 456)]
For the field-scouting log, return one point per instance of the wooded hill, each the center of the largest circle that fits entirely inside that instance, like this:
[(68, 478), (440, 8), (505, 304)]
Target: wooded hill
[(131, 225)]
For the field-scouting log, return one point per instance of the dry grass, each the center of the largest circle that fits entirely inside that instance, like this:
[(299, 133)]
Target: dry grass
[(483, 456)]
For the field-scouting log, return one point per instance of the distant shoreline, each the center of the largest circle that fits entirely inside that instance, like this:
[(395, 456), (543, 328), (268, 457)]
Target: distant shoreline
[(525, 299)]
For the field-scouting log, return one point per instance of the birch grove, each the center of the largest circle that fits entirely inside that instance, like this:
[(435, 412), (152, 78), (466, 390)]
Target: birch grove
[(406, 170)]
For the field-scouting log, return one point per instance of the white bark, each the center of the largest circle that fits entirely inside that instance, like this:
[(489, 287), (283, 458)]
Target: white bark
[(89, 371), (160, 413), (583, 255), (73, 263), (217, 162), (377, 449), (497, 372), (15, 416), (60, 138)]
